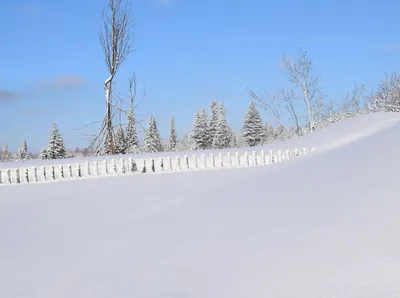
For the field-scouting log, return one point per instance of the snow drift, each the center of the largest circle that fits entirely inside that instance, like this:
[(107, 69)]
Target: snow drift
[(325, 225)]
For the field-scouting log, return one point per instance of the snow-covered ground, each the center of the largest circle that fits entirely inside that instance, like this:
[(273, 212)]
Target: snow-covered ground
[(333, 136), (325, 225)]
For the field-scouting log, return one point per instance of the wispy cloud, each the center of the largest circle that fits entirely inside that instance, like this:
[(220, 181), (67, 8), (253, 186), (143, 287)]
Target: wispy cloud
[(63, 82), (8, 95), (29, 9)]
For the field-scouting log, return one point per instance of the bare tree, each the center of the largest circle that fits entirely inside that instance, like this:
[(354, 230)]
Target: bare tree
[(352, 105), (387, 97), (299, 73), (272, 105), (116, 39)]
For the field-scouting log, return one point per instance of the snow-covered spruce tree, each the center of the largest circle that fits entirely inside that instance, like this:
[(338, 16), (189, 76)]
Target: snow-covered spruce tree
[(199, 137), (212, 127), (22, 153), (268, 133), (152, 140), (157, 138), (120, 143), (5, 154), (148, 139), (253, 129), (222, 136), (172, 139), (234, 141), (55, 149), (131, 138)]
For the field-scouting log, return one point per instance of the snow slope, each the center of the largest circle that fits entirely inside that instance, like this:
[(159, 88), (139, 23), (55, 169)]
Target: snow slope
[(338, 134), (326, 225)]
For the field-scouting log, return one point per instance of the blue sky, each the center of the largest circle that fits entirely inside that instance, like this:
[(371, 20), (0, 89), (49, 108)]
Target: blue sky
[(186, 53)]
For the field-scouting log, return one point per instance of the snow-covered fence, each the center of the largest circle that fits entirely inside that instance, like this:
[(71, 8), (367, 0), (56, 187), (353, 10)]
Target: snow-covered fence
[(124, 166)]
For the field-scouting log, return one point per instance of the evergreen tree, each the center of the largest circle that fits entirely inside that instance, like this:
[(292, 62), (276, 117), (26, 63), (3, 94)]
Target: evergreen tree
[(148, 140), (172, 139), (152, 140), (268, 133), (222, 136), (253, 130), (5, 153), (55, 149), (157, 138), (234, 141), (22, 153), (132, 141), (120, 143), (213, 122), (199, 135)]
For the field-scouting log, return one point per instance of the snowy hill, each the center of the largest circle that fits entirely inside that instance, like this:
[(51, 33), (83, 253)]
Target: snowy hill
[(326, 225)]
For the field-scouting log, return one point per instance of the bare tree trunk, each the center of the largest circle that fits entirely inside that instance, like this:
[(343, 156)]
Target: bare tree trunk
[(109, 125)]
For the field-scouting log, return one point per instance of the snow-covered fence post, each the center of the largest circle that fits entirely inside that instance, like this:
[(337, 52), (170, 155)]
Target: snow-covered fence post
[(53, 173), (246, 159), (237, 158), (186, 162), (62, 172), (105, 166), (114, 166), (96, 168), (9, 176), (69, 171), (229, 160), (44, 176), (195, 161), (212, 160), (87, 166), (262, 157), (296, 152), (18, 178), (169, 163), (205, 161), (134, 166), (305, 151), (79, 171), (279, 157), (153, 165), (26, 175), (255, 162), (162, 164), (271, 157), (35, 175), (287, 153), (178, 163), (144, 170), (130, 164), (122, 165), (221, 160)]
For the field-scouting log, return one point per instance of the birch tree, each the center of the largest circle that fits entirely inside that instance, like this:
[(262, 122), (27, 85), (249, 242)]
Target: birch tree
[(116, 39)]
